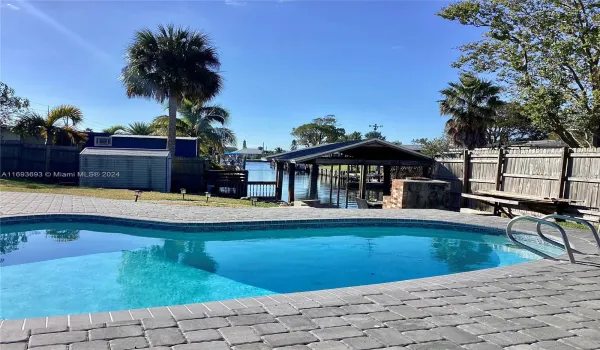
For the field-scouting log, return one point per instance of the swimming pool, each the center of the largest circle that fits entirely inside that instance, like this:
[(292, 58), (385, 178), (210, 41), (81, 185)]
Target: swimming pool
[(69, 268)]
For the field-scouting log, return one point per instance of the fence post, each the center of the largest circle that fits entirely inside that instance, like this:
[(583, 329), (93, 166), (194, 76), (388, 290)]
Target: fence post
[(465, 179), (498, 180), (564, 168)]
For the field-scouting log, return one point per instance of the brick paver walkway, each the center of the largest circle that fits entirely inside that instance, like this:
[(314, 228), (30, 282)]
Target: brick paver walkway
[(535, 305)]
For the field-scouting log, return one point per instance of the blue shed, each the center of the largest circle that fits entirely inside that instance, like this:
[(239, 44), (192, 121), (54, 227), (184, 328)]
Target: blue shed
[(184, 146)]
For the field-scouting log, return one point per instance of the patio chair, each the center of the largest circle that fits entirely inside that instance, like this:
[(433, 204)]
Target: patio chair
[(362, 203)]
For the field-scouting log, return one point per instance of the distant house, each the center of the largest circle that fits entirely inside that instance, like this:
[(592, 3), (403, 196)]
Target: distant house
[(184, 146), (6, 135), (249, 153)]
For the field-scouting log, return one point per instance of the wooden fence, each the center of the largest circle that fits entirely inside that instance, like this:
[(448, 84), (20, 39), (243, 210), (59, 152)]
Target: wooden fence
[(226, 183), (188, 173), (28, 161), (555, 172)]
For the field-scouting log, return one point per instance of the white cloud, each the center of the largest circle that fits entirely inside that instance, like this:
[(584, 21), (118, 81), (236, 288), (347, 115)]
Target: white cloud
[(83, 43), (12, 7)]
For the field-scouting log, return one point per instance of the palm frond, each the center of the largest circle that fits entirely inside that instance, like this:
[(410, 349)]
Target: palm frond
[(140, 128), (115, 129), (65, 113), (31, 124), (76, 136)]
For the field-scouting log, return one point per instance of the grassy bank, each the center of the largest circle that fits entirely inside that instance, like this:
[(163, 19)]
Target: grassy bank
[(155, 197)]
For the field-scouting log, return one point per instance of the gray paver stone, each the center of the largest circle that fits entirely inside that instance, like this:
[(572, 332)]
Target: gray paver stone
[(297, 323), (203, 323), (116, 332), (269, 328), (253, 346), (55, 329), (248, 320), (388, 337), (362, 343), (436, 345), (14, 346), (13, 336), (559, 322), (239, 335), (328, 345), (324, 312), (327, 322), (385, 316), (57, 338), (278, 310), (123, 323), (86, 327), (336, 333), (362, 321), (449, 320), (553, 345), (456, 335), (582, 343), (384, 300), (410, 325), (508, 338), (202, 335), (154, 323), (547, 333), (292, 338), (293, 347), (128, 343), (482, 346), (51, 347), (408, 311), (422, 336), (165, 337), (250, 310), (363, 308), (90, 345), (213, 345)]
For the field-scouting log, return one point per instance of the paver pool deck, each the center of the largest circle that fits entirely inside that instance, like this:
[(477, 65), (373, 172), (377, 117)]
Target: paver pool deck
[(535, 305)]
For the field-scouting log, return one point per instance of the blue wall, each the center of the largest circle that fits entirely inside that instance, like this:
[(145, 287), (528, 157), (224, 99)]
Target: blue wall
[(183, 148)]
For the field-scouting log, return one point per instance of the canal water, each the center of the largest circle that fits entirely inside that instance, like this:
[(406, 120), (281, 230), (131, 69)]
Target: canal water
[(262, 171)]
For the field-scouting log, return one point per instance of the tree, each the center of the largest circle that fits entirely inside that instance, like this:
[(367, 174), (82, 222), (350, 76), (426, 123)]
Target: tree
[(471, 104), (54, 125), (140, 128), (278, 150), (115, 129), (294, 145), (88, 130), (171, 64), (434, 146), (244, 144), (201, 121), (546, 52), (10, 105), (321, 130), (354, 136), (374, 135), (511, 124)]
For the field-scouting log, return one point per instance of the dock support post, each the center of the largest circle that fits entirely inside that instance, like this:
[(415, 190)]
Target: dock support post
[(279, 181), (362, 188), (314, 178), (291, 181)]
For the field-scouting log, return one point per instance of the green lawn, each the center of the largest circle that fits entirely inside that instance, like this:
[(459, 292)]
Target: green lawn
[(156, 197)]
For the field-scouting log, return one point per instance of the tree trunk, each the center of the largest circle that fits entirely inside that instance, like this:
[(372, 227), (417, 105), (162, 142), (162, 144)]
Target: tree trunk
[(172, 134), (49, 138)]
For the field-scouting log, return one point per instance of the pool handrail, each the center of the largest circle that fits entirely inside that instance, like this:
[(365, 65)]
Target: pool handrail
[(570, 218), (566, 244)]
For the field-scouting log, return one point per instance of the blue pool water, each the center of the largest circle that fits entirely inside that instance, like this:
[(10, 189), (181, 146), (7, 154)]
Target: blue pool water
[(70, 268)]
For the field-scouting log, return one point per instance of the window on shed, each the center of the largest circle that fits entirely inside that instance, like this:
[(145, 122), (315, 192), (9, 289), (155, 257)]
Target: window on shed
[(102, 141)]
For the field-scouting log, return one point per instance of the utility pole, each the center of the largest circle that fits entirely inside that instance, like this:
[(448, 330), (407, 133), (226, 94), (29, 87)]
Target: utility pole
[(375, 126)]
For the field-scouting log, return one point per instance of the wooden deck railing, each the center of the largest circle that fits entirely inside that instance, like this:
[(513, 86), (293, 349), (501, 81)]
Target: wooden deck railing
[(261, 189)]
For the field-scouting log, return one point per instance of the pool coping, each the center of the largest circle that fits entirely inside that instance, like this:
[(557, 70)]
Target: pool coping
[(528, 271)]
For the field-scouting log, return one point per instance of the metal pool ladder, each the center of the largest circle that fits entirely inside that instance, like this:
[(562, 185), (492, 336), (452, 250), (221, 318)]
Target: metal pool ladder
[(545, 221)]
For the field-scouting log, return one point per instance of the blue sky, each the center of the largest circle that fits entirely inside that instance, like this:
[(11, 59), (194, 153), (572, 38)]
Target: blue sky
[(284, 63)]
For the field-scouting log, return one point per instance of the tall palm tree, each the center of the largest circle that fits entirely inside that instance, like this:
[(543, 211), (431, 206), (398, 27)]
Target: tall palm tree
[(171, 64), (201, 121), (54, 124), (471, 104), (140, 128), (115, 129)]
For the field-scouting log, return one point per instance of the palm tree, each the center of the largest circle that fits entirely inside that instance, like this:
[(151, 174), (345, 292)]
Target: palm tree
[(201, 121), (140, 128), (471, 104), (54, 125), (171, 64), (115, 129)]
